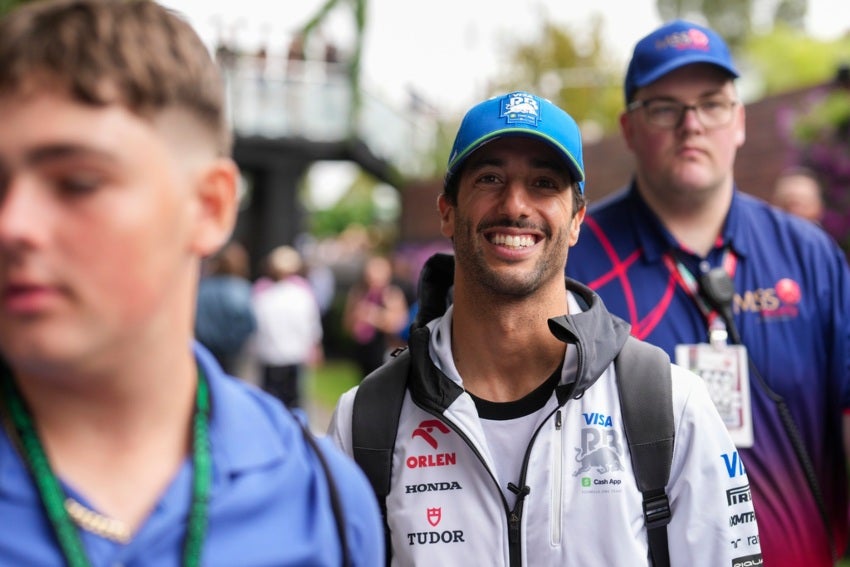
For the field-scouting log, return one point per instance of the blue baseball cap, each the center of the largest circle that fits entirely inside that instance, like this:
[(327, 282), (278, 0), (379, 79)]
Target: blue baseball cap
[(518, 114), (673, 45)]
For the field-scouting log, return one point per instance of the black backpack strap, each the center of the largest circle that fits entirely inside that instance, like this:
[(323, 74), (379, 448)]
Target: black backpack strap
[(646, 400), (374, 424), (336, 501)]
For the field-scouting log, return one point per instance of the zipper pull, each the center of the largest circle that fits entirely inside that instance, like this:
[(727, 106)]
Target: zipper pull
[(558, 420), (516, 513), (513, 529)]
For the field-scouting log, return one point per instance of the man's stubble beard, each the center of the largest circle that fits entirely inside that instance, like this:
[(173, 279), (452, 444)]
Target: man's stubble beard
[(471, 257)]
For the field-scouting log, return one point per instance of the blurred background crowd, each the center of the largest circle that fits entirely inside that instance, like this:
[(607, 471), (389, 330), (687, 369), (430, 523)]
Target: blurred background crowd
[(340, 174)]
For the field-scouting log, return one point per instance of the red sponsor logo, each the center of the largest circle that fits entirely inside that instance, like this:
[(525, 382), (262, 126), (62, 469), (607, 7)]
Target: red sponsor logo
[(424, 431), (690, 39), (788, 291), (427, 427), (434, 516), (427, 461)]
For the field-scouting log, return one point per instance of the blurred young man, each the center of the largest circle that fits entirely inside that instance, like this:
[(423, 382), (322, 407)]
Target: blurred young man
[(121, 442), (510, 448), (690, 262)]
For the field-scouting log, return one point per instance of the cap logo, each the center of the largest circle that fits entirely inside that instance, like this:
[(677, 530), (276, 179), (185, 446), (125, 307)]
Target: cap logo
[(690, 39), (520, 108)]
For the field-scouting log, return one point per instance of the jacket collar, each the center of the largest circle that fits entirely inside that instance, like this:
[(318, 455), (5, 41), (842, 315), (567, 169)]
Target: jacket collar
[(597, 335)]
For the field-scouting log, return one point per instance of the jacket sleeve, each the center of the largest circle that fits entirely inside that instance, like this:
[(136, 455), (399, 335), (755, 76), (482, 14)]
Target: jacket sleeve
[(713, 521), (339, 429)]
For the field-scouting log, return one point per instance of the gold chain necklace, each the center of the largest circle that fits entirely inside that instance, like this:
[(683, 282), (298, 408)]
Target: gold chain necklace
[(98, 524), (89, 520)]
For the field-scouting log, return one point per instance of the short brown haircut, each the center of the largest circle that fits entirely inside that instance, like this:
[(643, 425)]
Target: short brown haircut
[(135, 53)]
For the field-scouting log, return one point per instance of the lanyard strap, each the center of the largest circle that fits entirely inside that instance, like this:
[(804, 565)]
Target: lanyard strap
[(53, 497), (688, 282)]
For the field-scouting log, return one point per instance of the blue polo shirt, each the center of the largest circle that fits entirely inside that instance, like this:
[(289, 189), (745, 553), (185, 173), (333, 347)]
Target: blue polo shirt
[(269, 501), (792, 308)]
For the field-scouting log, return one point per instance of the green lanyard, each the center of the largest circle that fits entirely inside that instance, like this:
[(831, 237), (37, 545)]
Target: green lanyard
[(53, 497)]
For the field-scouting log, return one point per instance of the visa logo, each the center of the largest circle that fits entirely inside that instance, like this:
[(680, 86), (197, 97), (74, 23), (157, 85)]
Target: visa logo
[(734, 464), (598, 419)]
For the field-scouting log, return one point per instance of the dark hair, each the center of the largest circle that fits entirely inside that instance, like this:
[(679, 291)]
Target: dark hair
[(135, 53)]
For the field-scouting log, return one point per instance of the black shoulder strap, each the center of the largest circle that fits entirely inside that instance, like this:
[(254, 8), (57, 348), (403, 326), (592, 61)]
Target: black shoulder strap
[(336, 501), (374, 424), (646, 400)]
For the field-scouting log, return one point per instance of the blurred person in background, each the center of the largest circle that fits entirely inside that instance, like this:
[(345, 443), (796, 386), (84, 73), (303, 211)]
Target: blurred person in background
[(798, 191), (225, 318), (289, 327), (375, 313)]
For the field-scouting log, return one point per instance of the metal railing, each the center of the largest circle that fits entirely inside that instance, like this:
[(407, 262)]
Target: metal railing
[(278, 98)]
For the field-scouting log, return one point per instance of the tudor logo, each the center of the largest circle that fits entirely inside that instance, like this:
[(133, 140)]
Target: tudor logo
[(434, 516), (427, 427)]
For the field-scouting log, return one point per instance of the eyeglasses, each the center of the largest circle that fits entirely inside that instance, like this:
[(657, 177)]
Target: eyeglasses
[(666, 113)]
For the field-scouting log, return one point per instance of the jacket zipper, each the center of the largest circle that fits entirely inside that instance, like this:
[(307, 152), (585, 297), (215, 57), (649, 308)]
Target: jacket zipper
[(513, 521), (514, 516), (558, 481)]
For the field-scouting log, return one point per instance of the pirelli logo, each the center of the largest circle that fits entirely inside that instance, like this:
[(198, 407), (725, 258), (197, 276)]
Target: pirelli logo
[(738, 495)]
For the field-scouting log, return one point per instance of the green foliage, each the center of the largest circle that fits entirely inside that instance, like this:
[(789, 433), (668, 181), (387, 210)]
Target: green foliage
[(357, 207), (9, 5), (569, 66), (330, 380), (332, 221), (788, 59), (822, 122)]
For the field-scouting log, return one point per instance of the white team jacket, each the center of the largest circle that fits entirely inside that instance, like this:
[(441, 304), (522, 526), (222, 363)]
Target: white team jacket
[(583, 507)]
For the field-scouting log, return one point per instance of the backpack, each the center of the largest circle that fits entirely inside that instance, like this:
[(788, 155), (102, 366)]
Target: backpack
[(646, 400)]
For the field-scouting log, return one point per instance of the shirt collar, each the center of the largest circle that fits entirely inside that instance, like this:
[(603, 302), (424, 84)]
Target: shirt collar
[(655, 240), (245, 430)]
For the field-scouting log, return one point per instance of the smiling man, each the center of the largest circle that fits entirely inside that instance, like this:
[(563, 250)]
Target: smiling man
[(510, 447)]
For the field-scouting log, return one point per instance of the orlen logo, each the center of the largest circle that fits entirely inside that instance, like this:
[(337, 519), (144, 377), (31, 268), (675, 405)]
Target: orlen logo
[(427, 427), (424, 431)]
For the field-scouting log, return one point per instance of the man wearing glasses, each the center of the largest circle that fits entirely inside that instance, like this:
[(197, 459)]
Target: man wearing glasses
[(754, 300)]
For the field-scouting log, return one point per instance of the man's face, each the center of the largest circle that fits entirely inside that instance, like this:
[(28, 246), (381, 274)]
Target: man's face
[(688, 158), (513, 221), (101, 226), (800, 196)]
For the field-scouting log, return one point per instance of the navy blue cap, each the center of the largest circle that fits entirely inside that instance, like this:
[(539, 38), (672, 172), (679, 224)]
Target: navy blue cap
[(673, 45), (518, 114)]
